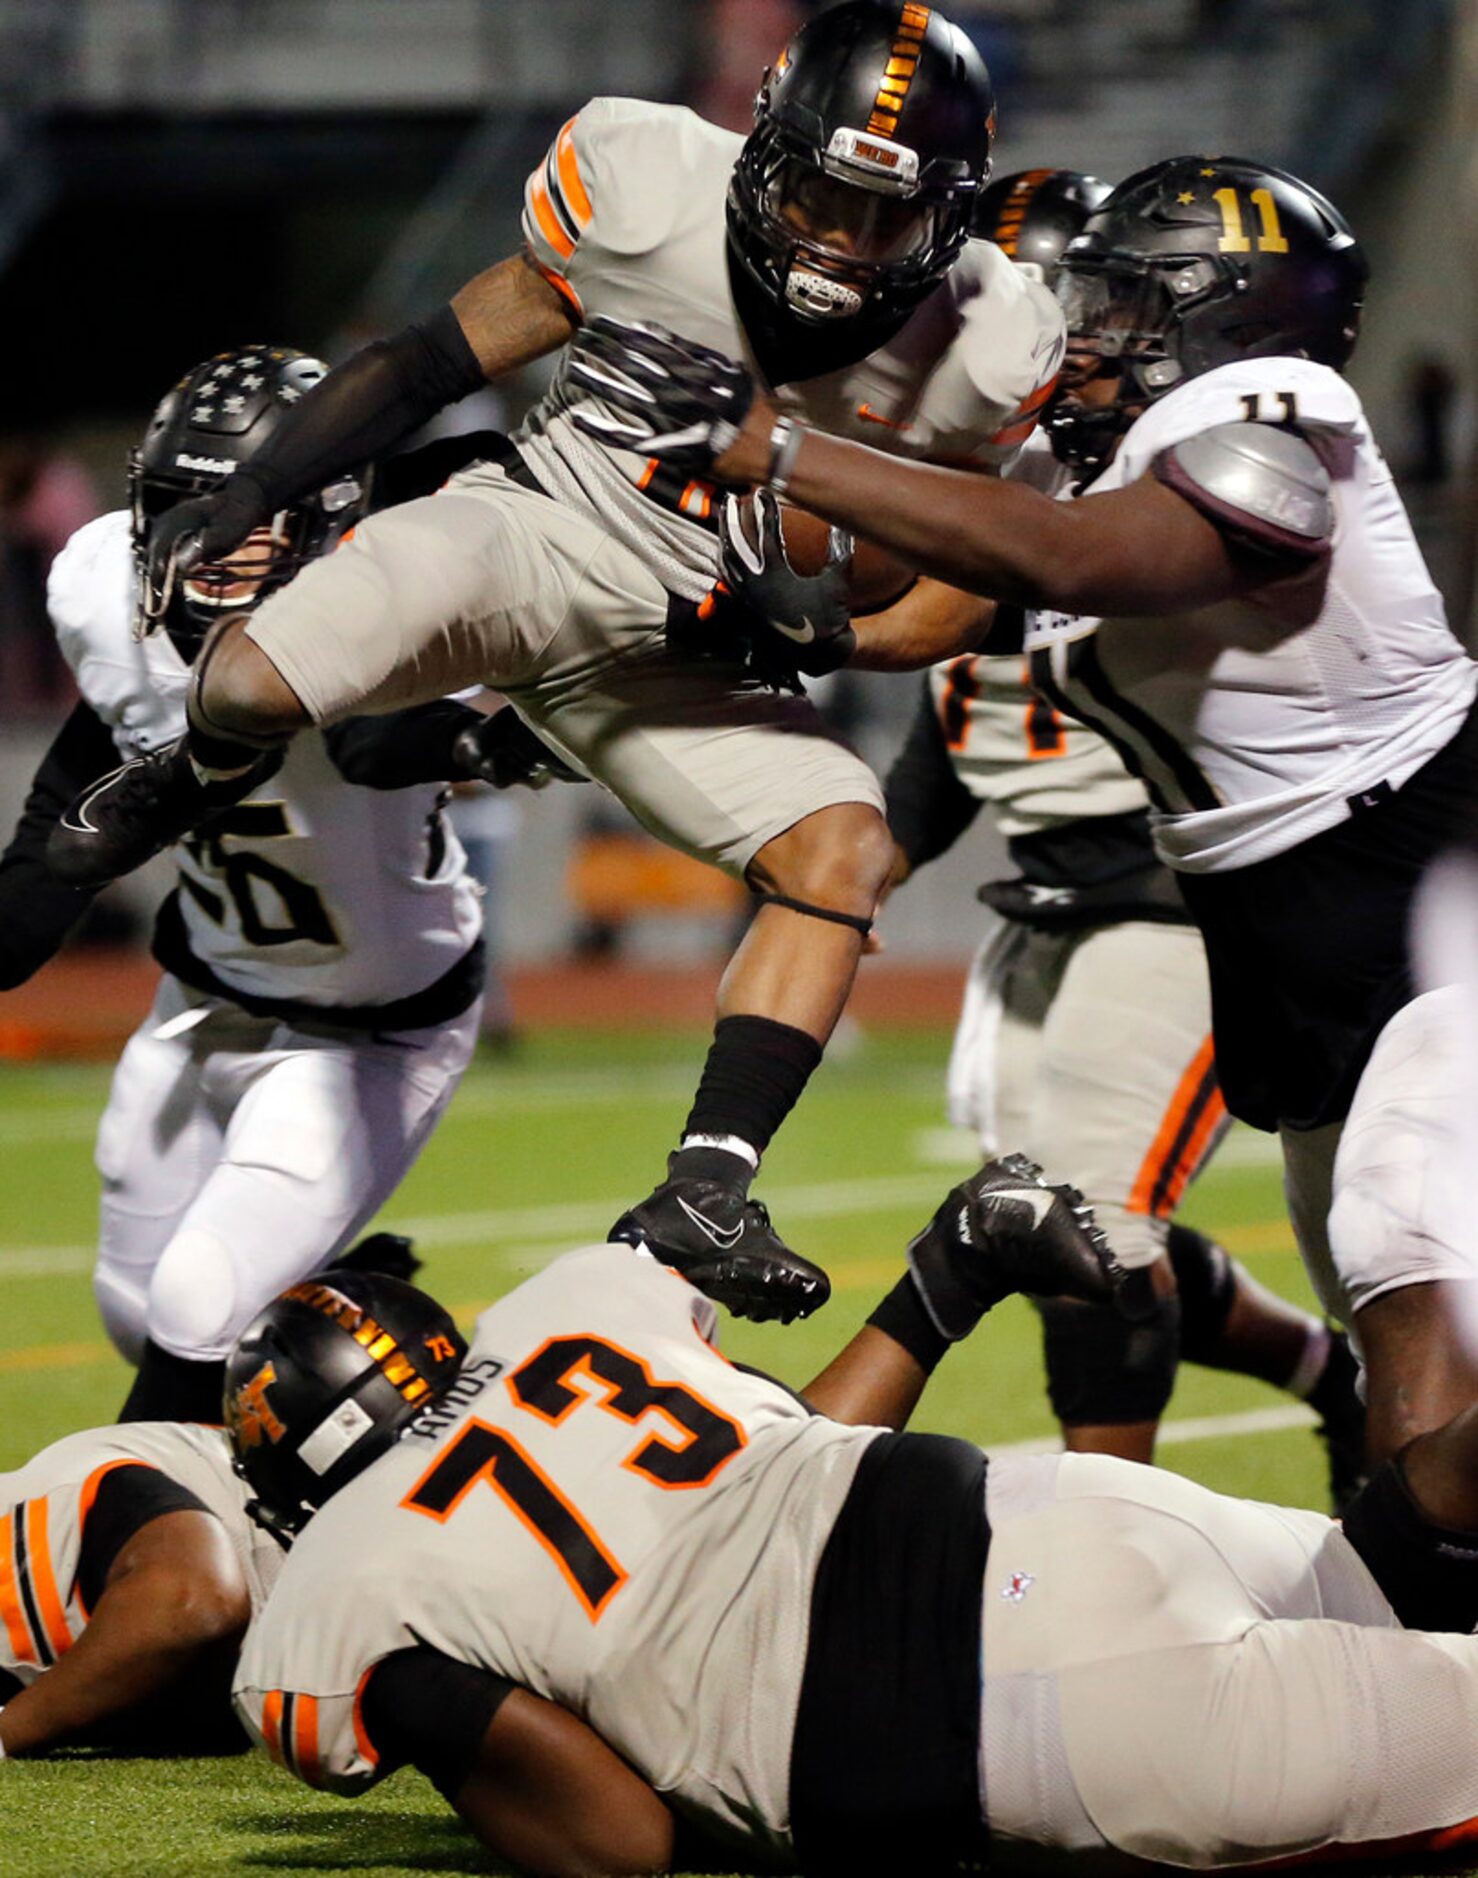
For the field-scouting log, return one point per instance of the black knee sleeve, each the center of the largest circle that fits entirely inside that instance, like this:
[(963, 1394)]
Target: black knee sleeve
[(1103, 1370), (1206, 1279), (1429, 1575)]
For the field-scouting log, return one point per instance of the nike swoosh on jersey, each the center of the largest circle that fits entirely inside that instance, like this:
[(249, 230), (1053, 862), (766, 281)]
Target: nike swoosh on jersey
[(724, 1237)]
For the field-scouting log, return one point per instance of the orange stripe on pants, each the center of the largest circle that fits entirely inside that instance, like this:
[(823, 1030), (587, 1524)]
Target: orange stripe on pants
[(43, 1579), (1170, 1144), (17, 1630)]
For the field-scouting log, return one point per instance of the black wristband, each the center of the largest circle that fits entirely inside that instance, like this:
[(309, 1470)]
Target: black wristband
[(902, 1316)]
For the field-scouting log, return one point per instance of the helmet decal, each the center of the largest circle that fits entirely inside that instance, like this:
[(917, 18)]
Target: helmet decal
[(898, 73)]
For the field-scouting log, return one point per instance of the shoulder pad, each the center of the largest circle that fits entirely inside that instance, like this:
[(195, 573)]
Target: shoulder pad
[(1265, 484)]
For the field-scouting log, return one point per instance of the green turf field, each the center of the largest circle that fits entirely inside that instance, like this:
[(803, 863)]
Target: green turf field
[(538, 1154)]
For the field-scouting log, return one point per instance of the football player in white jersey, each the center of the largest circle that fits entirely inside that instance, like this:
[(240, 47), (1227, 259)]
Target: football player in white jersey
[(1085, 1033), (1235, 598), (128, 1572), (635, 1609), (831, 248), (322, 949)]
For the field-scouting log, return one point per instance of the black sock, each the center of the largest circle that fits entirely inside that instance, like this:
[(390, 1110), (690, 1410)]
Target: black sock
[(172, 1388), (902, 1316), (1428, 1573), (754, 1075), (1335, 1390)]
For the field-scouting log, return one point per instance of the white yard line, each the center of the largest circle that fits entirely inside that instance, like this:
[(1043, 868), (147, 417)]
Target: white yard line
[(1174, 1434)]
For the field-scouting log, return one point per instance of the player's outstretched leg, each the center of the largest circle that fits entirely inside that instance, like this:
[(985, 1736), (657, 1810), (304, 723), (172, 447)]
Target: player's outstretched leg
[(1230, 1322), (1006, 1230), (723, 1243), (778, 1003)]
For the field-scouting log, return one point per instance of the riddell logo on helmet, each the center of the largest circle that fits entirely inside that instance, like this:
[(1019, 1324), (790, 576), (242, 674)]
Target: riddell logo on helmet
[(252, 1417), (212, 465)]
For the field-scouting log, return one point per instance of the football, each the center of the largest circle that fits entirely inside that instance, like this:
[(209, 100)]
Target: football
[(875, 578)]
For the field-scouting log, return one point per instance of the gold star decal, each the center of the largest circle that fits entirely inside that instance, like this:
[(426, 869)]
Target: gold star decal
[(1186, 195), (1208, 172)]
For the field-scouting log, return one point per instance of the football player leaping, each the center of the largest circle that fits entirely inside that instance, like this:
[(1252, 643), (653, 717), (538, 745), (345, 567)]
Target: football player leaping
[(1237, 601), (322, 951), (631, 1607), (831, 249), (1085, 1033)]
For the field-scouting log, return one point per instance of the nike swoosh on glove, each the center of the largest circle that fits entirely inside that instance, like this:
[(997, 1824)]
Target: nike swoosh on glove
[(808, 613)]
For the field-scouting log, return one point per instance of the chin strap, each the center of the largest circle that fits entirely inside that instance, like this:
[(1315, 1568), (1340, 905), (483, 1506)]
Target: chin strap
[(858, 924)]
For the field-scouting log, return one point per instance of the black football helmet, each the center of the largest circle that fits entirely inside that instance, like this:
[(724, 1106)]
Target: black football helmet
[(1034, 214), (323, 1382), (853, 193), (216, 418), (1195, 263)]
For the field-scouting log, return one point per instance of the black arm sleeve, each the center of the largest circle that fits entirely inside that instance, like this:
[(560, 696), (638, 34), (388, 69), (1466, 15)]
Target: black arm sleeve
[(36, 910), (127, 1498), (402, 748), (928, 807), (426, 1709), (364, 406)]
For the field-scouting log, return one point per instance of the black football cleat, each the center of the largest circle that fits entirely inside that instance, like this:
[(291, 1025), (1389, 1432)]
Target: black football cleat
[(389, 1254), (723, 1243), (136, 811), (1006, 1231)]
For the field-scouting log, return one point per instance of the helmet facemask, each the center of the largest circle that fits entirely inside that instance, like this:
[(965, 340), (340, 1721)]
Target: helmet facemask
[(1125, 315), (845, 232)]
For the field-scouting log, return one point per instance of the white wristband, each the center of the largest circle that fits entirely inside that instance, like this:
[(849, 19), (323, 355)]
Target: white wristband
[(785, 443)]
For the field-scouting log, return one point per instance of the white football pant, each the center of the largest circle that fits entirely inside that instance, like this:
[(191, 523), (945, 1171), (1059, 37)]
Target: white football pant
[(241, 1154)]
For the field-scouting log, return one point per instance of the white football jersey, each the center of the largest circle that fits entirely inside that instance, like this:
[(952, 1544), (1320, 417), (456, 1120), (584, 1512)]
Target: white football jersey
[(626, 217), (1250, 736), (604, 1510), (44, 1508), (310, 890)]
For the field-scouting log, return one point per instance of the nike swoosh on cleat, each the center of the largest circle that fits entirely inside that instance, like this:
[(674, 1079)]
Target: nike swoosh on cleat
[(725, 1237), (1039, 1202)]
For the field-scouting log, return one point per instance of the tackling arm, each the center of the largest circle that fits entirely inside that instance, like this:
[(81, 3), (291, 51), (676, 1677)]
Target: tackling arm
[(37, 911), (1142, 549), (506, 317), (175, 1602)]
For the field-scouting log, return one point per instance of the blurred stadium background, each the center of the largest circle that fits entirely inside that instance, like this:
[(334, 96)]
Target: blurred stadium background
[(182, 175)]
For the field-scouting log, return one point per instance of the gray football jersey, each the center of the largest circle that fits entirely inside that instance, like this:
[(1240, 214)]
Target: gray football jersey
[(44, 1508), (626, 217), (1034, 767), (605, 1511)]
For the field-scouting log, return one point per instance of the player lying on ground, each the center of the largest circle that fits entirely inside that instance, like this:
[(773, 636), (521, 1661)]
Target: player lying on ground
[(832, 247), (322, 950), (128, 1571), (1084, 1038), (633, 1608), (1236, 600)]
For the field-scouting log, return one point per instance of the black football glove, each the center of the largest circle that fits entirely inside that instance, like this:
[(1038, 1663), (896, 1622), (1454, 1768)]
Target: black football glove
[(503, 751), (808, 613), (195, 533), (1003, 1231), (662, 396)]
